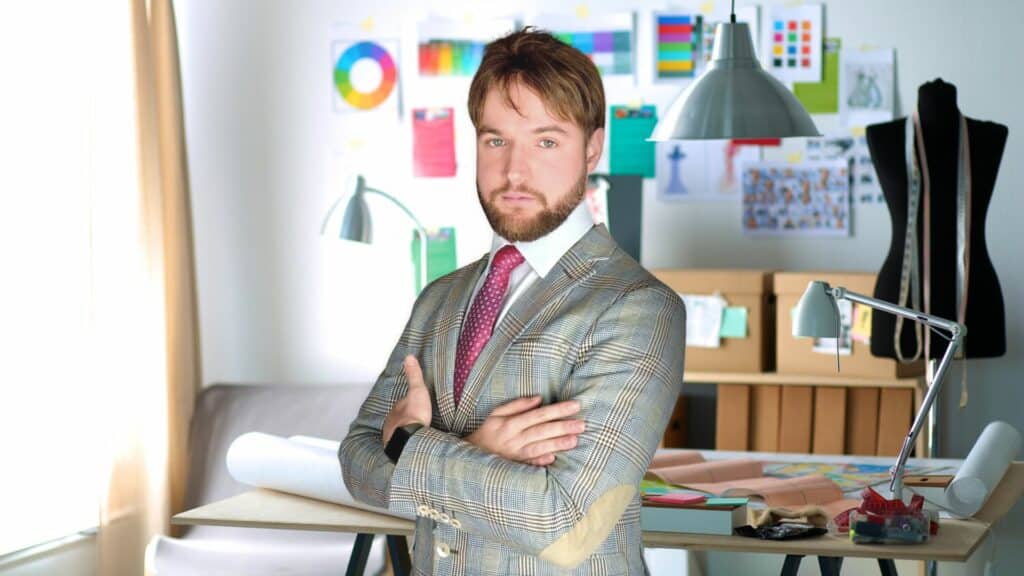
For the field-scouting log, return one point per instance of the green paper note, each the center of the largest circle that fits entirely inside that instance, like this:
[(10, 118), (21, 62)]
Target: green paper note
[(726, 501), (822, 97), (629, 130), (440, 254), (734, 322)]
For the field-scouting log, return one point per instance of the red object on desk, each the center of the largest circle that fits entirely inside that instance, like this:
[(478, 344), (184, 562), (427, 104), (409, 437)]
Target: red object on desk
[(679, 499)]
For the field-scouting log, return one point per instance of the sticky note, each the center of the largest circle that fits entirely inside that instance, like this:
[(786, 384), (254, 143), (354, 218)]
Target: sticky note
[(861, 329), (727, 501), (678, 498), (734, 322)]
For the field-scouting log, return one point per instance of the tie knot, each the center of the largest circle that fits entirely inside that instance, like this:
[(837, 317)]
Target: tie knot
[(507, 258)]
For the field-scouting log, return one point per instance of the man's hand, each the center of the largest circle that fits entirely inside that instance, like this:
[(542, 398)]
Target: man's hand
[(522, 432), (415, 407)]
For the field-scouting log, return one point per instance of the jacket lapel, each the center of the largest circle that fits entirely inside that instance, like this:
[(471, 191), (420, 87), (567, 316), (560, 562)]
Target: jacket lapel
[(456, 306), (575, 265)]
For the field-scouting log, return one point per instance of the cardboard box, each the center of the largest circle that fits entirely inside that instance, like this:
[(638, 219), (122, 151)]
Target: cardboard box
[(732, 419), (797, 419), (795, 355), (895, 408), (765, 411), (750, 289), (862, 421), (829, 420)]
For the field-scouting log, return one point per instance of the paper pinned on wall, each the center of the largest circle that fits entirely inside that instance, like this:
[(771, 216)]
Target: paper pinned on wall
[(828, 345), (807, 199), (703, 320), (854, 149), (433, 142), (365, 76), (822, 97), (676, 45), (712, 15), (608, 39), (631, 153), (449, 48), (866, 86), (704, 169), (793, 43), (861, 329), (734, 322)]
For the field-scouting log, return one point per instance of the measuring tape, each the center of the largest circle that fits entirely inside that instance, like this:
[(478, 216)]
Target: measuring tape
[(910, 276)]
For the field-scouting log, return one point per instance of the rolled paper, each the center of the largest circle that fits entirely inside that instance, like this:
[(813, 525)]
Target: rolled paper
[(984, 467)]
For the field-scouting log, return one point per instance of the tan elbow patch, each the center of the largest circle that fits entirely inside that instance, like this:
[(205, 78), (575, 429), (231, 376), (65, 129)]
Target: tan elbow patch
[(577, 544)]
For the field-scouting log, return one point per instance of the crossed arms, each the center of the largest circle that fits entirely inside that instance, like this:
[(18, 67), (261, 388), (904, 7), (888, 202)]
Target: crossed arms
[(626, 377)]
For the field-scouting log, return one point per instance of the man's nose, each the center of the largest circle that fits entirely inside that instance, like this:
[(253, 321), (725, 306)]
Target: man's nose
[(517, 169)]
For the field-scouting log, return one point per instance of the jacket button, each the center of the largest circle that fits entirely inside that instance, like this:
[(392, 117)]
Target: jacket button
[(443, 550), (444, 518), (423, 510), (456, 524)]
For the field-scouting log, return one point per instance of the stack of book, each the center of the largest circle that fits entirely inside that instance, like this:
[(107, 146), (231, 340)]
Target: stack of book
[(692, 513)]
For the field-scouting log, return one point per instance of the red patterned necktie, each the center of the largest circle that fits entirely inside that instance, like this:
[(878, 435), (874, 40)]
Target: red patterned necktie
[(482, 314)]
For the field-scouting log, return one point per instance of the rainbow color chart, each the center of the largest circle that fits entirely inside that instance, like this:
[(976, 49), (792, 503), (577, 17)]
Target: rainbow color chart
[(450, 57), (365, 100), (677, 43), (611, 51)]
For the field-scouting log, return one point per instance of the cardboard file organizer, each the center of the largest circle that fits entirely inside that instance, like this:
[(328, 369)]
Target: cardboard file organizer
[(750, 289)]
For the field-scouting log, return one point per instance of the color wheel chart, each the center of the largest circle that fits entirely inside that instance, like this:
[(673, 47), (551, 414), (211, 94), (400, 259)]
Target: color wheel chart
[(450, 57), (676, 45), (794, 43), (365, 75)]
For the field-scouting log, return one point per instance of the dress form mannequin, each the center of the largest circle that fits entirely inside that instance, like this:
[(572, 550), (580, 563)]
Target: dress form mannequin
[(940, 124)]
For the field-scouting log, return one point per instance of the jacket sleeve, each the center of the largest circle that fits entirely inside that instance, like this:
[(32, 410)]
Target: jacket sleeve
[(627, 377)]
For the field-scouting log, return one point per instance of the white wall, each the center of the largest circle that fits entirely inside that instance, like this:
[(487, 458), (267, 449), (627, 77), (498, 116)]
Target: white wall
[(278, 304)]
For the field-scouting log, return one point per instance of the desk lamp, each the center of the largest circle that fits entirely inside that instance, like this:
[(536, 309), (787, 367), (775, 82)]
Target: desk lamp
[(734, 97), (817, 315), (357, 226)]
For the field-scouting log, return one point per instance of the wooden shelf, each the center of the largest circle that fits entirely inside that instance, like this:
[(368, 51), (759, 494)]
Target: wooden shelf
[(778, 379)]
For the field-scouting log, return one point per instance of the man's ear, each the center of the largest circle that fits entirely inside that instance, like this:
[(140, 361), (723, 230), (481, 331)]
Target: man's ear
[(595, 145)]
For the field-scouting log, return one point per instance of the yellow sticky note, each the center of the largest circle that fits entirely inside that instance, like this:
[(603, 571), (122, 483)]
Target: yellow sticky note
[(794, 157), (367, 24), (861, 329), (582, 11), (707, 8), (858, 131)]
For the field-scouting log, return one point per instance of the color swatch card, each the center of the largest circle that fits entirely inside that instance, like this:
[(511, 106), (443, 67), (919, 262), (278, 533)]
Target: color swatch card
[(631, 153), (676, 45), (365, 75), (808, 199), (793, 43), (606, 39), (433, 142), (822, 97), (448, 48)]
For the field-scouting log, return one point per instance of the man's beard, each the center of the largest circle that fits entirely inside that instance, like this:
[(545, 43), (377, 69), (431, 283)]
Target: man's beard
[(517, 229)]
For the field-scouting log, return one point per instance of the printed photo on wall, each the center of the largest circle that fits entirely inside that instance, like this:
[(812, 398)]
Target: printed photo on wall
[(864, 188), (806, 199), (866, 91)]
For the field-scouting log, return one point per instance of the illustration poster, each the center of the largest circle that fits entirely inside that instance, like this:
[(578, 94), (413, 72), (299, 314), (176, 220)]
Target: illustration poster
[(806, 199), (866, 90)]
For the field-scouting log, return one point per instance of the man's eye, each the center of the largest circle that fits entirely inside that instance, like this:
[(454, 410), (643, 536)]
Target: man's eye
[(495, 142), (547, 143)]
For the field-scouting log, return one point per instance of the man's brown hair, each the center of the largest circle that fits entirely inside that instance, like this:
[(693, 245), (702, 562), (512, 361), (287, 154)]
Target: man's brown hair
[(564, 78)]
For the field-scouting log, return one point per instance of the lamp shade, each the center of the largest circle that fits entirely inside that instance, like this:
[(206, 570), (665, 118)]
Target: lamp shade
[(816, 314), (734, 98), (355, 221)]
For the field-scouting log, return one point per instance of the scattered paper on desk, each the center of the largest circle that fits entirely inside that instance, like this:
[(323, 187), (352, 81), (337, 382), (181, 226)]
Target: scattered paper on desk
[(828, 345), (433, 145), (793, 43), (630, 151), (703, 320), (866, 86), (734, 322), (861, 329), (822, 97)]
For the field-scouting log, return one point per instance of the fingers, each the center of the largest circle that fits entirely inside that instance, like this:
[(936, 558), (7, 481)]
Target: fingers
[(546, 448), (556, 411), (517, 406), (413, 373), (545, 460), (549, 430)]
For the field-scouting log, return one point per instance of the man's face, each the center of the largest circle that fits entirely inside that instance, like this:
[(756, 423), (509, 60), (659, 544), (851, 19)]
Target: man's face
[(531, 167)]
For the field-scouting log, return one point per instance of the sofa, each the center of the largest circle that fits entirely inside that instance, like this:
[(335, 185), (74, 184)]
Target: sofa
[(223, 412)]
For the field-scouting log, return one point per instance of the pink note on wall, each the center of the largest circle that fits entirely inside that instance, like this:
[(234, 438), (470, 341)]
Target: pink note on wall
[(433, 142)]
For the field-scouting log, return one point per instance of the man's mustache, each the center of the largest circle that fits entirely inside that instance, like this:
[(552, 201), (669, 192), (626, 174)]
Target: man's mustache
[(493, 195)]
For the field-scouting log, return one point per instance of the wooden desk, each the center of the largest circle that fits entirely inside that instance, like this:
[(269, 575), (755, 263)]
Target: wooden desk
[(956, 541)]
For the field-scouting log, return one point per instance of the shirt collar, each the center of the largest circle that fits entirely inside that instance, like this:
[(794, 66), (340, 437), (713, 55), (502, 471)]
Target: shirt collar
[(543, 253)]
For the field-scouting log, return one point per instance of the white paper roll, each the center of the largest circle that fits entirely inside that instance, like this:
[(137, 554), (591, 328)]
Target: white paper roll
[(301, 465), (984, 467)]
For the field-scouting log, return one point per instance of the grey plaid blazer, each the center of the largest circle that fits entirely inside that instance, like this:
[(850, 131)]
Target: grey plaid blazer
[(599, 329)]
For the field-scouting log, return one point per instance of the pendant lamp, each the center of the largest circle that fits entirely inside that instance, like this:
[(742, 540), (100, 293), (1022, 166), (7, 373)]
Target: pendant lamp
[(734, 97)]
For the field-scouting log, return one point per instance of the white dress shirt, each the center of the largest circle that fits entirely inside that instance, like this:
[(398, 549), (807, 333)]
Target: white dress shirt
[(540, 255)]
